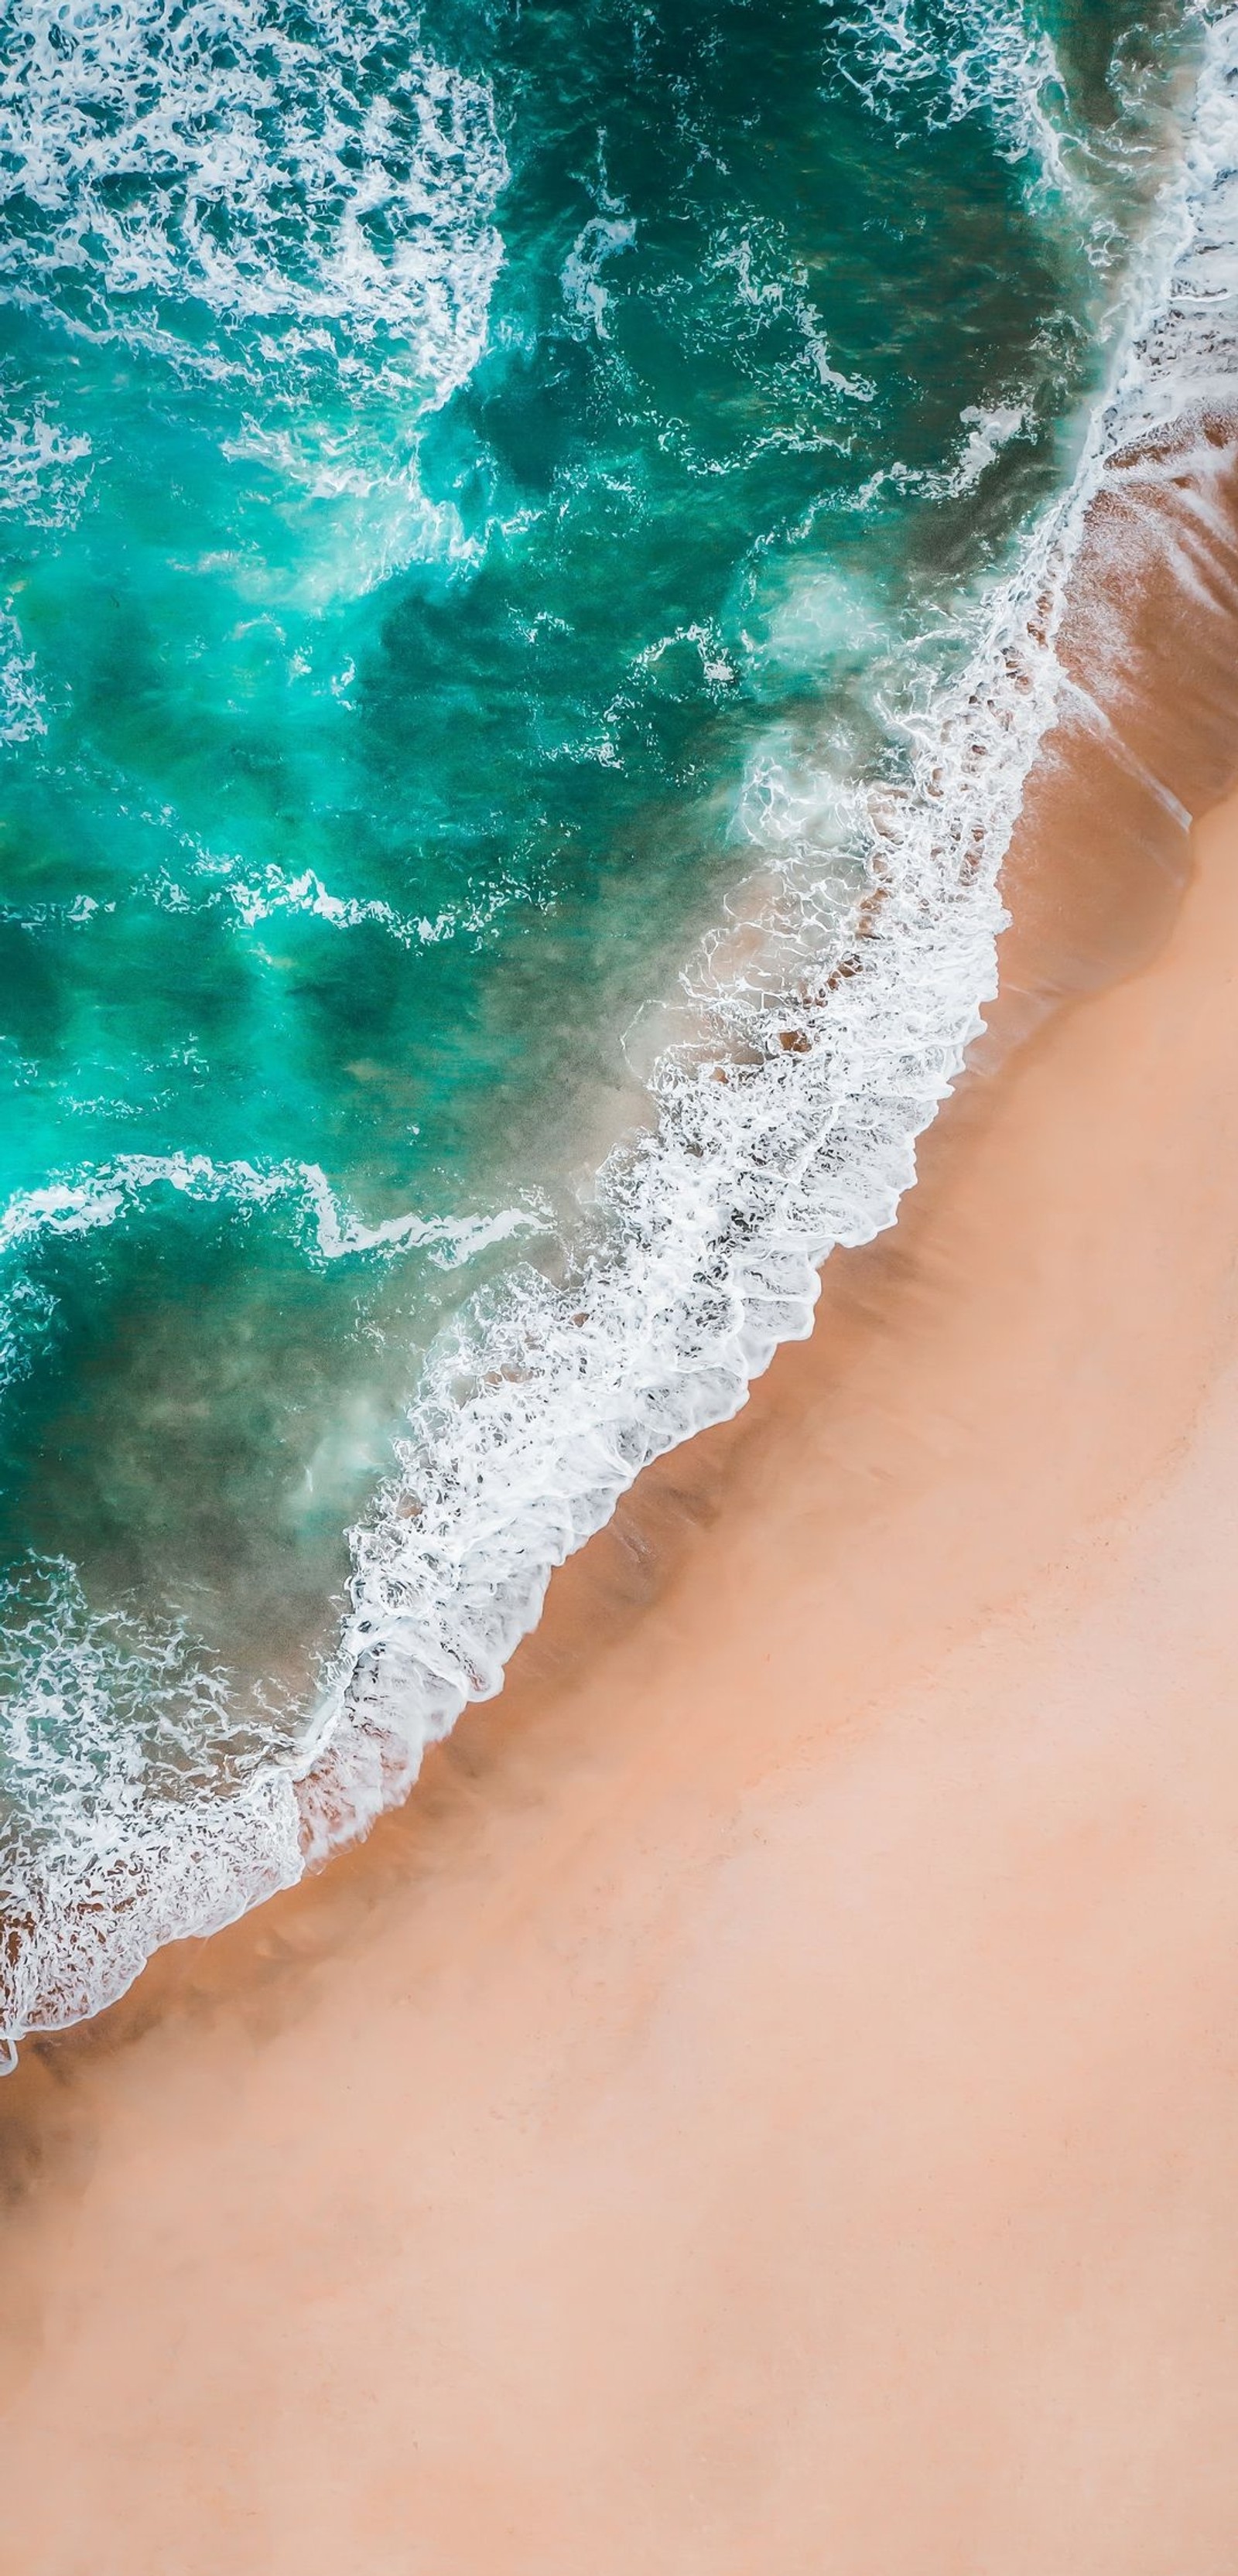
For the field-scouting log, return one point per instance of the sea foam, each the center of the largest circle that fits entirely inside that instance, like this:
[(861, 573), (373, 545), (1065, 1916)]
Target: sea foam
[(246, 159), (787, 1129), (295, 203), (782, 1123)]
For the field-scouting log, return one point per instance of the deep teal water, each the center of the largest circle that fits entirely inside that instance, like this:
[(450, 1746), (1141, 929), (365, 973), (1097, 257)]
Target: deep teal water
[(461, 474)]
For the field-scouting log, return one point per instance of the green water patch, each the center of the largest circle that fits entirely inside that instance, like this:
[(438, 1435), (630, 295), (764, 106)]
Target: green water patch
[(460, 479)]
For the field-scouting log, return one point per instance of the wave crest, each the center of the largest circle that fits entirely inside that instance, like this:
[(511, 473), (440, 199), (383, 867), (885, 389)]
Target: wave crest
[(783, 1123), (308, 178)]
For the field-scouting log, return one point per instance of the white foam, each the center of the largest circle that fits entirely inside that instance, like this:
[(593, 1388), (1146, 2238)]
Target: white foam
[(81, 1203), (981, 58), (44, 468), (116, 1843), (783, 1125), (774, 285), (240, 155), (22, 711), (584, 293), (271, 892), (276, 892), (989, 431), (713, 1228), (291, 197)]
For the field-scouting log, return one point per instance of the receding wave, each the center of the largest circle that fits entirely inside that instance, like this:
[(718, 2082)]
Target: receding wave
[(784, 1128), (812, 1040)]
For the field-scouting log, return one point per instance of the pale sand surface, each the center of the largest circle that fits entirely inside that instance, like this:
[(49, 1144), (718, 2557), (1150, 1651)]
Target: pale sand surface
[(771, 2103)]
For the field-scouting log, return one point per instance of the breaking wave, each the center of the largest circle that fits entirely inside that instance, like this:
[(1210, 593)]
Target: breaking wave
[(309, 167), (816, 1039), (288, 198), (785, 1127), (76, 1206)]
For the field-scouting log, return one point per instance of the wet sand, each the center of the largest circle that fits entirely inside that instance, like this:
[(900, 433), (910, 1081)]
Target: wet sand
[(771, 2101)]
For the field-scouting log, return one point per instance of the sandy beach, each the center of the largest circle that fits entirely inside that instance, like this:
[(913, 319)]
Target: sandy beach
[(617, 671), (771, 2100), (772, 2095)]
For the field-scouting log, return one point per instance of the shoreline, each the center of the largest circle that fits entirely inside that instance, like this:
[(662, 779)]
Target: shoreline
[(801, 1137), (772, 2090), (768, 2097)]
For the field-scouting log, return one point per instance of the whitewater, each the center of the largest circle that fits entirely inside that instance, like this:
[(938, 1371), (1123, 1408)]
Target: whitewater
[(775, 1092)]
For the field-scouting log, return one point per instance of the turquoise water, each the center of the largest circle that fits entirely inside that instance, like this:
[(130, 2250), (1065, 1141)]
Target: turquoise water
[(478, 488)]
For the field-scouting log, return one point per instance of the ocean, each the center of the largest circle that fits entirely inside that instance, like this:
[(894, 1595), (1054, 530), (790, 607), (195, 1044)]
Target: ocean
[(532, 546)]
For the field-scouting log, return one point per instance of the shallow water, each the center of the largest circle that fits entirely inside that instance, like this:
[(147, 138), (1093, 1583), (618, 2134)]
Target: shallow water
[(488, 497)]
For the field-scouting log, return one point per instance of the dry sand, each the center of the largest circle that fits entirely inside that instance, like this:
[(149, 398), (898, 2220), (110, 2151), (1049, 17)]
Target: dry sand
[(771, 2102)]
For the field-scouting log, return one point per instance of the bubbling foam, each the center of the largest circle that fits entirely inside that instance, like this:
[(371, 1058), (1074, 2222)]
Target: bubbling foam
[(307, 182), (787, 1128), (783, 1123), (78, 1205), (971, 60), (44, 468), (22, 714), (968, 58), (106, 1721)]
